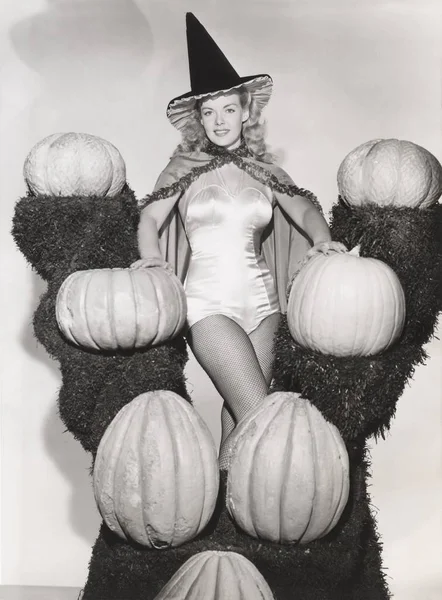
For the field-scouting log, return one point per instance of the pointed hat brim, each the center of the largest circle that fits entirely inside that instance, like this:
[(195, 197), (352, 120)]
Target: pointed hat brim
[(211, 74), (181, 108)]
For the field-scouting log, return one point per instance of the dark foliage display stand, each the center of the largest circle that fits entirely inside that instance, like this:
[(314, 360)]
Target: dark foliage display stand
[(61, 235), (359, 395)]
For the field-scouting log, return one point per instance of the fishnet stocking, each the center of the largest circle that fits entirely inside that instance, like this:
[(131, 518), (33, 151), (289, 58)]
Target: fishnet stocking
[(262, 339), (239, 365)]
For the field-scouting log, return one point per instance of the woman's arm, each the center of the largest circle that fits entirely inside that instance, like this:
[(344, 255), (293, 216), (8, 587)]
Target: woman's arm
[(304, 214), (152, 219)]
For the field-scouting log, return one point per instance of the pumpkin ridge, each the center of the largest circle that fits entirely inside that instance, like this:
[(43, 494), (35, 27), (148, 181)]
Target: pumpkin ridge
[(181, 303), (299, 303), (356, 330), (110, 307), (204, 568), (219, 567), (84, 311), (45, 167), (142, 451), (302, 322), (178, 500), (175, 459), (130, 433), (177, 586), (249, 572), (359, 327), (343, 497), (336, 265), (177, 300), (288, 449), (380, 289), (65, 292), (240, 571), (211, 464), (205, 503), (398, 295), (367, 165), (313, 462), (136, 306), (164, 296), (429, 181), (254, 470), (294, 300), (369, 335), (318, 275), (150, 281), (112, 453), (335, 474), (193, 425), (392, 295), (202, 511), (238, 447), (159, 301), (110, 456), (192, 430), (110, 179)]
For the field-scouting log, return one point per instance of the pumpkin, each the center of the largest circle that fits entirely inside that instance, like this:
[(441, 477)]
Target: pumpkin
[(74, 164), (390, 172), (217, 575), (156, 473), (109, 309), (288, 471), (346, 305)]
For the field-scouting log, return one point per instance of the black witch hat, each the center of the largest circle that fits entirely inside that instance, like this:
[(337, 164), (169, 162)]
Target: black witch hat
[(211, 73)]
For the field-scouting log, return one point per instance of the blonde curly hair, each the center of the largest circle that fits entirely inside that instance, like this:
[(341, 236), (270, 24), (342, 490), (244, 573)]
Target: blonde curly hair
[(254, 130)]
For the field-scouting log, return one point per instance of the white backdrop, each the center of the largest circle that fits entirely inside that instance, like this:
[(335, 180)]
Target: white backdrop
[(345, 71)]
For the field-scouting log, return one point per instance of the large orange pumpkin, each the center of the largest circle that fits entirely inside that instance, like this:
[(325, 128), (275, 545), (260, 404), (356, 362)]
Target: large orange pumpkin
[(390, 172), (109, 309), (156, 472), (217, 575), (346, 305), (70, 164), (288, 471)]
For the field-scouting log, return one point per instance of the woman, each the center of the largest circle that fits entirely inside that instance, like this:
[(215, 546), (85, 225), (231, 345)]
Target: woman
[(233, 225)]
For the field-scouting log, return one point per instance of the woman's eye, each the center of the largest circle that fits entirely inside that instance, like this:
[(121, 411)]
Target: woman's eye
[(230, 110), (206, 113)]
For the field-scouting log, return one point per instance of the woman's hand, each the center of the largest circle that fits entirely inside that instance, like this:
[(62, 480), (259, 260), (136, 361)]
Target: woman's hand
[(153, 261), (325, 248)]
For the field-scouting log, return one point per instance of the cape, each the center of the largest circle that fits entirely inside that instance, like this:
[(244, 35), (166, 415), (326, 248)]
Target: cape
[(283, 244)]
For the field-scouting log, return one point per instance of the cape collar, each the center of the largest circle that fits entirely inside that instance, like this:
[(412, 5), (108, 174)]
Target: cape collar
[(215, 150), (185, 168)]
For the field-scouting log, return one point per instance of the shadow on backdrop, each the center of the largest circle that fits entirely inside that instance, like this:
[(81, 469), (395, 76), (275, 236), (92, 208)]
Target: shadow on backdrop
[(103, 42), (61, 447), (82, 50)]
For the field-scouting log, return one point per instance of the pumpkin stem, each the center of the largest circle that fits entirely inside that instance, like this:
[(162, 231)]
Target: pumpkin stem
[(355, 251)]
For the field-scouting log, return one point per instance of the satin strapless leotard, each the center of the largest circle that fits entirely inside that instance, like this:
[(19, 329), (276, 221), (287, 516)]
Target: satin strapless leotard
[(225, 215)]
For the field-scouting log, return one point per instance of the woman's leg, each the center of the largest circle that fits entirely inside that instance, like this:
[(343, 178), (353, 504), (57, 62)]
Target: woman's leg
[(227, 422), (225, 352), (235, 363), (262, 339)]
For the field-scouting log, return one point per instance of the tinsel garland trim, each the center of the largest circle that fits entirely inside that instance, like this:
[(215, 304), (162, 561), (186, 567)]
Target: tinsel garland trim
[(255, 171)]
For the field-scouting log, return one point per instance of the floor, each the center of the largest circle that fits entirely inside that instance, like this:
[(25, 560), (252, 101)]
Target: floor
[(28, 592)]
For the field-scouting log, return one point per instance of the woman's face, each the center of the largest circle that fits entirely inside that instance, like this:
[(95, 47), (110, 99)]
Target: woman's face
[(222, 119)]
